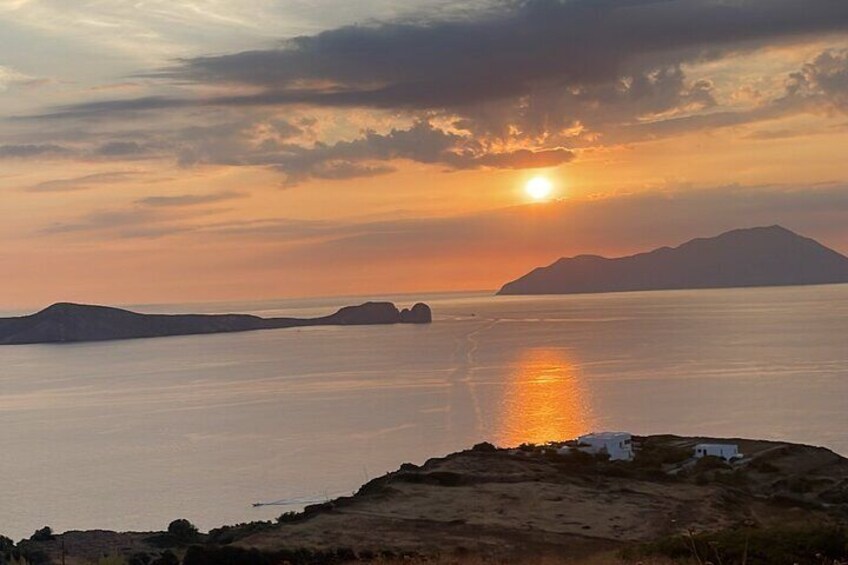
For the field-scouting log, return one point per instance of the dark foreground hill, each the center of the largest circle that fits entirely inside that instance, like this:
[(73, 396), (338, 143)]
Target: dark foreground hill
[(65, 322), (782, 503), (766, 256)]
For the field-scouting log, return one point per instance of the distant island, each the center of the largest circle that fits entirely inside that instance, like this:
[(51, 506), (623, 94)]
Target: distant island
[(66, 322), (762, 256)]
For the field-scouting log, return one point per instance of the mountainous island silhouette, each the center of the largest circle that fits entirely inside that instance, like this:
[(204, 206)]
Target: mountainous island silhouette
[(760, 256)]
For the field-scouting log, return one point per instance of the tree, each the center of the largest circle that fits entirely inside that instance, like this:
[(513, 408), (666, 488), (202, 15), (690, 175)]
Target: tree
[(44, 534), (182, 530)]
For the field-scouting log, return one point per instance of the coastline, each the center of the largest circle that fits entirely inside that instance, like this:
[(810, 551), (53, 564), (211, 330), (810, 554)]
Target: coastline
[(530, 500)]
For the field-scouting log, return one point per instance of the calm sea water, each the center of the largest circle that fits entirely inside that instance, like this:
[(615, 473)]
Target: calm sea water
[(130, 435)]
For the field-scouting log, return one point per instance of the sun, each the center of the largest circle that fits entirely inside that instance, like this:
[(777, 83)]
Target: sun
[(539, 188)]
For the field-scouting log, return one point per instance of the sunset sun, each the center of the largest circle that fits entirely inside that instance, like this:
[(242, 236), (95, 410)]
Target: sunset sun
[(539, 188)]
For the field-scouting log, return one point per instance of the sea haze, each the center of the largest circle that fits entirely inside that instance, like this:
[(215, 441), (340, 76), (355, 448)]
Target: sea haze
[(132, 434)]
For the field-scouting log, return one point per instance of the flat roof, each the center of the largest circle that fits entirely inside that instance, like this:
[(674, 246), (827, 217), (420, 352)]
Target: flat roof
[(605, 435)]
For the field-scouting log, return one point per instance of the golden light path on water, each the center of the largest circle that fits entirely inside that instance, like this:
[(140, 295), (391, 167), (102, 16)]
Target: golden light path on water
[(544, 400)]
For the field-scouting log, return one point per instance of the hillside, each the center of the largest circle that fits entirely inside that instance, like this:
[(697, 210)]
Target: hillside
[(519, 505), (764, 256)]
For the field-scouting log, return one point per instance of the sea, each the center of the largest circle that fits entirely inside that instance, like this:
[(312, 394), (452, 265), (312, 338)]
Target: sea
[(129, 435)]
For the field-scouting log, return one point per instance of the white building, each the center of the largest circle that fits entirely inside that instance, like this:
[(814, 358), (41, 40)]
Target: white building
[(726, 451), (618, 445)]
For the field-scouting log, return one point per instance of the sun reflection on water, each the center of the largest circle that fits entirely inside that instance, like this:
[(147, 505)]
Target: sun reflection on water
[(544, 400)]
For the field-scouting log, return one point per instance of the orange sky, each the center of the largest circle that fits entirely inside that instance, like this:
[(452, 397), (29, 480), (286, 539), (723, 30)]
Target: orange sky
[(126, 183)]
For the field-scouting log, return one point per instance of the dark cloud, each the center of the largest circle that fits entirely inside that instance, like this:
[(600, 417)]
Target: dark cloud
[(826, 77), (31, 150), (550, 76), (121, 149), (184, 200), (508, 51), (422, 143)]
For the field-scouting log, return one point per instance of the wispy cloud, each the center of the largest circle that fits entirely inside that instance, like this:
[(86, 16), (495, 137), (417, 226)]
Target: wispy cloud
[(29, 150), (185, 200), (84, 182)]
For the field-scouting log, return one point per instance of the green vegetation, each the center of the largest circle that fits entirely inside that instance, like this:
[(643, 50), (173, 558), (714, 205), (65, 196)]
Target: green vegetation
[(183, 531), (654, 454), (810, 545), (484, 447), (44, 534), (226, 535)]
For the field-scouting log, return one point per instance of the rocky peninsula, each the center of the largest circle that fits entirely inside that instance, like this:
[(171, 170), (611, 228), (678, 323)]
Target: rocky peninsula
[(66, 322), (780, 503)]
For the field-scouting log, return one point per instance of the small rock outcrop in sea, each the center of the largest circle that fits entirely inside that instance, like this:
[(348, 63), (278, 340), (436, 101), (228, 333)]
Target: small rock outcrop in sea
[(419, 314)]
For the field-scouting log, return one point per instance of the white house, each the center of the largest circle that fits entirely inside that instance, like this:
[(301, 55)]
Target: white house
[(618, 445), (726, 451)]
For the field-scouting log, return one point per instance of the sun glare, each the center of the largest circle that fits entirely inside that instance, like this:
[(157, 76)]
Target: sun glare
[(539, 188)]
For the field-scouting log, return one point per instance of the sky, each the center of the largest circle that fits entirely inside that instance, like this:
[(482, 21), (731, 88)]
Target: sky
[(199, 150)]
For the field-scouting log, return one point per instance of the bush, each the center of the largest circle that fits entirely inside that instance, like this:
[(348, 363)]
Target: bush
[(7, 549), (166, 558), (44, 534), (710, 463), (33, 555), (763, 466), (484, 447), (202, 555), (139, 558), (654, 456), (808, 546), (182, 530), (736, 478), (290, 517), (226, 535)]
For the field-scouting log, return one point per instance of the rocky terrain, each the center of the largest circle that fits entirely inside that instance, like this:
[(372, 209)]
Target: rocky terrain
[(513, 504)]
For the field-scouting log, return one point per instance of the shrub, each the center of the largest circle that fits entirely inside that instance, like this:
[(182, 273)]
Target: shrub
[(182, 530), (226, 535), (166, 558), (736, 478), (763, 466), (33, 555), (710, 463), (837, 494), (655, 455), (44, 534), (805, 546), (202, 555), (290, 517), (139, 558), (484, 447)]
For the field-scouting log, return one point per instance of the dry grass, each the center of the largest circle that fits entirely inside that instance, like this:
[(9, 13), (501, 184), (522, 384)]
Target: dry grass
[(600, 559)]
